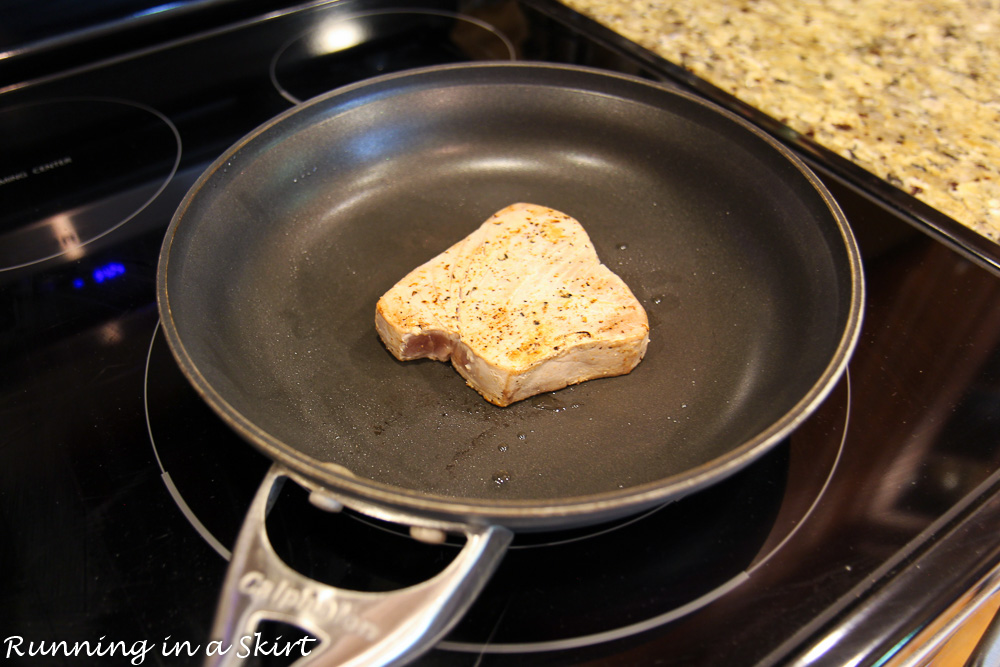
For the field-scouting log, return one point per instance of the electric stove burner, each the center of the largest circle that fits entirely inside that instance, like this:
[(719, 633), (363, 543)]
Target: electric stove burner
[(73, 170), (552, 590), (348, 49)]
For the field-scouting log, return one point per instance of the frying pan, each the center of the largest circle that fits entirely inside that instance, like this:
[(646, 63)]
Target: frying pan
[(272, 265)]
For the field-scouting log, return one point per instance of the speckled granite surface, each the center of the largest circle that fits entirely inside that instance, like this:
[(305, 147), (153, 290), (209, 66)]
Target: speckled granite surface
[(908, 90)]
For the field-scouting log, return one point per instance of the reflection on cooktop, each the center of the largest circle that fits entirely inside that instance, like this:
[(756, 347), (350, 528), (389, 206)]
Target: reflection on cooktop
[(73, 170), (343, 50)]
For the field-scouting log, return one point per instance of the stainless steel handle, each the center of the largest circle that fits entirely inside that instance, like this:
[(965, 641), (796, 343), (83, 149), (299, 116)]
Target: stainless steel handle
[(353, 627)]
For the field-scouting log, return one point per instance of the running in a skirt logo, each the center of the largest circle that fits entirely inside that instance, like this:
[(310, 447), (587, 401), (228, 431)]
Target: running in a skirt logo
[(136, 652), (277, 594)]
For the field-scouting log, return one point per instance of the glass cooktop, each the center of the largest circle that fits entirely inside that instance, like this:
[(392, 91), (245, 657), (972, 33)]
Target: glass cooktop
[(121, 493)]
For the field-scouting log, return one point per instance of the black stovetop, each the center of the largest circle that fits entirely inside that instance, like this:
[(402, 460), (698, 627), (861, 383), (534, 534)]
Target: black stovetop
[(121, 493)]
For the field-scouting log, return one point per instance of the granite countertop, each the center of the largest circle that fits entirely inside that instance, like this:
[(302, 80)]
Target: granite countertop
[(909, 91)]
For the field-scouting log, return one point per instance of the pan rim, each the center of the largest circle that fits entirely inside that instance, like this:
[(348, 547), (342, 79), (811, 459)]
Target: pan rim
[(542, 512)]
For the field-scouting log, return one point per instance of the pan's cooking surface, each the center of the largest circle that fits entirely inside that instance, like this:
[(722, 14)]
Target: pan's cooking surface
[(277, 262)]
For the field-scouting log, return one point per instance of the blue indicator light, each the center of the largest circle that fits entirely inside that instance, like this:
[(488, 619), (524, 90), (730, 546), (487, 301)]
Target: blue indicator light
[(78, 283), (107, 272)]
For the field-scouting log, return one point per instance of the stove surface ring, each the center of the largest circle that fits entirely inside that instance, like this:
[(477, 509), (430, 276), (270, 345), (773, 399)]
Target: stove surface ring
[(308, 64), (102, 162), (778, 537)]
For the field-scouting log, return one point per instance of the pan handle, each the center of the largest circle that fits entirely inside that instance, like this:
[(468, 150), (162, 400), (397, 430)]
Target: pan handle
[(349, 627)]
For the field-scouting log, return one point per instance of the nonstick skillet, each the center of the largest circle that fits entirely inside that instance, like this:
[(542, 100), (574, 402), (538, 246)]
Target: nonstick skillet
[(272, 266)]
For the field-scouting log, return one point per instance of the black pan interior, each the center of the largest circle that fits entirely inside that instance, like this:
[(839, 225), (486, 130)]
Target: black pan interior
[(273, 266)]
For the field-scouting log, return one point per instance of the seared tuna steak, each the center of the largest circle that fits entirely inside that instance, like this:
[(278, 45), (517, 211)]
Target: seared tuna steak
[(521, 306)]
